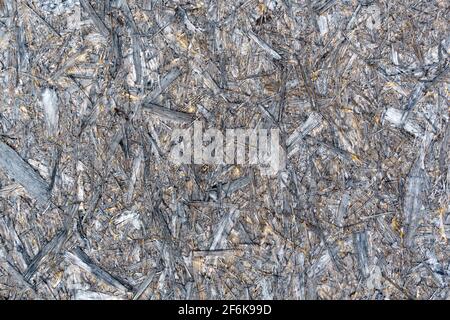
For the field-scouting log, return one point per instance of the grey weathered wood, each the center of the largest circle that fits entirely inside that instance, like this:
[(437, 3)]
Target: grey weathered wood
[(81, 259), (20, 171), (93, 207), (98, 22)]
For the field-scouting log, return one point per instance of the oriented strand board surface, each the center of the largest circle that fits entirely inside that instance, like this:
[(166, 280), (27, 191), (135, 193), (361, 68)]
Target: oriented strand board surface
[(91, 207)]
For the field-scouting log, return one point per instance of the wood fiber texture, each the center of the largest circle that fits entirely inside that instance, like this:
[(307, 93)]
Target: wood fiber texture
[(92, 207)]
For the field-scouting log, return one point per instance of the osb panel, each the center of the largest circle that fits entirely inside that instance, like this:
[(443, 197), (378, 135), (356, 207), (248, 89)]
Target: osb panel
[(91, 207)]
